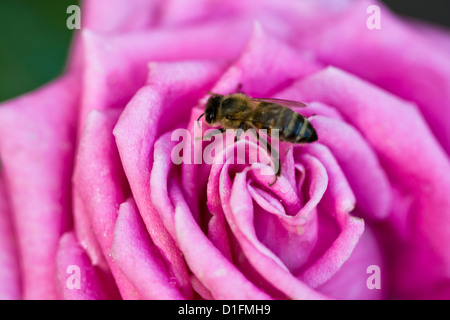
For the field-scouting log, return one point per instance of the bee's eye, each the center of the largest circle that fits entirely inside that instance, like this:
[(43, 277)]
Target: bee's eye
[(211, 108), (209, 117)]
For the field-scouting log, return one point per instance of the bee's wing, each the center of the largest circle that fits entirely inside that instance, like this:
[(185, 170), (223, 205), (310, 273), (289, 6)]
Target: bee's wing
[(287, 103)]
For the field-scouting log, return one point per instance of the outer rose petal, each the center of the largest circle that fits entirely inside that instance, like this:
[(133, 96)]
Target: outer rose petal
[(142, 263), (74, 268), (9, 264), (101, 187), (265, 66), (145, 116), (395, 57), (118, 16), (279, 18), (414, 163), (37, 134), (350, 282), (115, 66), (437, 36)]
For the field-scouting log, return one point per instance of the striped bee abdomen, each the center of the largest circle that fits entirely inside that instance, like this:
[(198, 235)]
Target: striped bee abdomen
[(293, 127)]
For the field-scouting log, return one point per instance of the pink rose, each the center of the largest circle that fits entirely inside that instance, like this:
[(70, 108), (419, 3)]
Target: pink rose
[(93, 207)]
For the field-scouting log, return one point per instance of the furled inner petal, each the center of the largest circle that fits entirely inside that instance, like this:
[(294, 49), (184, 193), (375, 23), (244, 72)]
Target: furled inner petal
[(210, 266), (360, 165), (292, 237), (239, 211), (338, 231), (290, 241)]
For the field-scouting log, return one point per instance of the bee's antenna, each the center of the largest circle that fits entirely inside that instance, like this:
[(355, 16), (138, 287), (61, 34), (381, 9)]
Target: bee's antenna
[(199, 119)]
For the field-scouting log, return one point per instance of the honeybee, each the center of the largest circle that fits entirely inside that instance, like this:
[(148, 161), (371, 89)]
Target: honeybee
[(241, 112)]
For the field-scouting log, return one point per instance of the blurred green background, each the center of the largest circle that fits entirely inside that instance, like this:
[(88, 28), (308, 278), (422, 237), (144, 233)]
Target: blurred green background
[(34, 38), (34, 43)]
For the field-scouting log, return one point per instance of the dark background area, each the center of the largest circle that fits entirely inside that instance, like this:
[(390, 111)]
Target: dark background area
[(34, 43), (435, 11), (26, 65)]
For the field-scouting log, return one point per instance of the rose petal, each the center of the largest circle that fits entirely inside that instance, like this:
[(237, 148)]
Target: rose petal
[(339, 200), (101, 187), (253, 69), (286, 20), (284, 283), (201, 289), (115, 66), (134, 137), (292, 237), (136, 132), (84, 232), (359, 164), (355, 156), (120, 15), (258, 69), (217, 225), (221, 278), (350, 282), (436, 35), (395, 57), (238, 209), (113, 17), (10, 288), (413, 161), (37, 134), (141, 262), (214, 270), (77, 279), (265, 66)]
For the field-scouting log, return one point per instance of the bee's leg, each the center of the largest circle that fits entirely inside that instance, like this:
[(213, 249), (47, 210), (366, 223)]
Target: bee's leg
[(276, 174), (211, 134), (273, 153), (239, 131), (239, 88), (276, 157)]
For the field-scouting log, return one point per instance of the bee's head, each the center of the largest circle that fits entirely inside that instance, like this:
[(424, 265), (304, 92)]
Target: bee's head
[(212, 108)]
